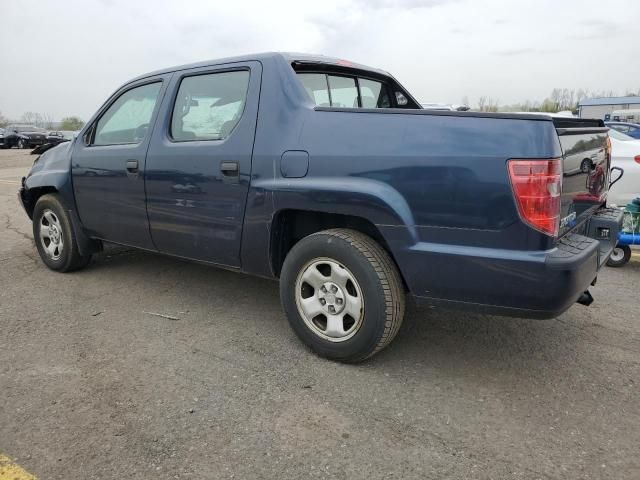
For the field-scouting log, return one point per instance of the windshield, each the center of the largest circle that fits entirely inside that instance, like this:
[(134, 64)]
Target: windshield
[(620, 136)]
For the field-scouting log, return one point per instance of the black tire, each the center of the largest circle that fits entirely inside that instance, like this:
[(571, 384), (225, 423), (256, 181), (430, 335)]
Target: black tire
[(377, 278), (22, 143), (620, 256), (68, 258)]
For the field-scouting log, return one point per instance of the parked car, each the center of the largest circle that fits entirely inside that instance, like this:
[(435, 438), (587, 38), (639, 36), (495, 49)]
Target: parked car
[(55, 137), (630, 129), (23, 136), (342, 187), (69, 134), (625, 153), (626, 115)]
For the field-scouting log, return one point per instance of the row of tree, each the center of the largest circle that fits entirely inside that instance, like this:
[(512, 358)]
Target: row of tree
[(559, 100), (45, 121)]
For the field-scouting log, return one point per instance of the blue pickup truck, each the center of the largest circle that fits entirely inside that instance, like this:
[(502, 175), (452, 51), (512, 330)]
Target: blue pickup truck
[(328, 176)]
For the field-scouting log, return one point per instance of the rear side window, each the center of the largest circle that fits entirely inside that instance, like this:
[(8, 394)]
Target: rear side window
[(342, 91), (209, 106), (317, 86), (373, 94), (127, 119)]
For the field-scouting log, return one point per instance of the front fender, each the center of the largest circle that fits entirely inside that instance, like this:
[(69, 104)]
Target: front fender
[(51, 171)]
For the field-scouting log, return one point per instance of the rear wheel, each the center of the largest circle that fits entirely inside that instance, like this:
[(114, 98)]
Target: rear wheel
[(620, 256), (342, 294), (54, 236)]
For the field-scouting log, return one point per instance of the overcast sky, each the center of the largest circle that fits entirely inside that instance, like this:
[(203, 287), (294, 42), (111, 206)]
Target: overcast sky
[(65, 57)]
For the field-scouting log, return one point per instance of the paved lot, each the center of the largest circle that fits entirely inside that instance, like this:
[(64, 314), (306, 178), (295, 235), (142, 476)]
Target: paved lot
[(91, 386)]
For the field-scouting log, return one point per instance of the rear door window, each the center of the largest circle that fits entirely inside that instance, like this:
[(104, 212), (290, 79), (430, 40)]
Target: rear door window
[(208, 107)]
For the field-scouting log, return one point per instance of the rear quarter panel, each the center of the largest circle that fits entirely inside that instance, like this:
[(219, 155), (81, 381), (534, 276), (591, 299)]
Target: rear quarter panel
[(450, 171)]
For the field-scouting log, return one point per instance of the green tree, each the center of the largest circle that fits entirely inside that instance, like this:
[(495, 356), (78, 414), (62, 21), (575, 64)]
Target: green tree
[(71, 123)]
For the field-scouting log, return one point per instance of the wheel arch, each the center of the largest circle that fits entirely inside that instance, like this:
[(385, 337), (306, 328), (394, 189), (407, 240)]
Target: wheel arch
[(291, 225), (30, 197)]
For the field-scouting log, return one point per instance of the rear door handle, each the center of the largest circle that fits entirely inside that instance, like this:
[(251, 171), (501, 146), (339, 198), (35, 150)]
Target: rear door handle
[(230, 172), (132, 166)]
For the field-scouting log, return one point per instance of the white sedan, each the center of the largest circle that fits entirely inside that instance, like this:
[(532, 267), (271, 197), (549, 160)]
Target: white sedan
[(625, 153)]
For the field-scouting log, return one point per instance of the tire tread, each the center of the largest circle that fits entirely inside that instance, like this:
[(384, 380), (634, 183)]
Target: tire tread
[(75, 261), (390, 281)]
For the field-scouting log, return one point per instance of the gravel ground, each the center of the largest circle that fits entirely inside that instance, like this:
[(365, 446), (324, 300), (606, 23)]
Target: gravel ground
[(92, 386)]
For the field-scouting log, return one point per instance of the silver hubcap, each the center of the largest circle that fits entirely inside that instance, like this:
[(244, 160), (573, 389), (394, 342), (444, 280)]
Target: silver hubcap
[(617, 254), (329, 300), (51, 234)]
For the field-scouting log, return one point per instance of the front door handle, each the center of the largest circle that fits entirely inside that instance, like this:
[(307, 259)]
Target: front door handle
[(230, 172)]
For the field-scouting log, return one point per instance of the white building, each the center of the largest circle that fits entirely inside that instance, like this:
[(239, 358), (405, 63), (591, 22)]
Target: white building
[(599, 107)]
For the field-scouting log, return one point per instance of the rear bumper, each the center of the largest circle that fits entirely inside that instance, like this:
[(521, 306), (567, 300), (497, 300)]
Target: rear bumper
[(531, 284)]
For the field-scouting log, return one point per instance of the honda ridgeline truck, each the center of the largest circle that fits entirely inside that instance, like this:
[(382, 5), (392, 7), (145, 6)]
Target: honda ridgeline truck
[(328, 175)]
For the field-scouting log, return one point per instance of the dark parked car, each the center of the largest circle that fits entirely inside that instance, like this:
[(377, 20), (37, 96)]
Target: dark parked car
[(631, 129), (55, 137), (341, 186), (23, 136)]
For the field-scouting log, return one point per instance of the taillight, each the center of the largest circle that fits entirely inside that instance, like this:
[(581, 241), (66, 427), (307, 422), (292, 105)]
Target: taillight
[(637, 158), (537, 185)]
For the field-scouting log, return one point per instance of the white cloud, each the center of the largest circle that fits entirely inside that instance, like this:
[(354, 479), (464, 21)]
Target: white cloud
[(63, 58)]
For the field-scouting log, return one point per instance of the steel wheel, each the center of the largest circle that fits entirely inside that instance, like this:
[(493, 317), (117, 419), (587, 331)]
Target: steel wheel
[(620, 256), (51, 234), (617, 255), (329, 300)]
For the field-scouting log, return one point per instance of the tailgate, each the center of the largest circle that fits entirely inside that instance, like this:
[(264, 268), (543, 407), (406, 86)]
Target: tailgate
[(586, 159)]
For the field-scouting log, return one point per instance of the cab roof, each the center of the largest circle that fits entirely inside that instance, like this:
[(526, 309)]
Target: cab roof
[(288, 57)]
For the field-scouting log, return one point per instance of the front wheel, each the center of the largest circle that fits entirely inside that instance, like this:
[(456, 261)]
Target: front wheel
[(22, 143), (54, 236), (342, 294), (620, 256)]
